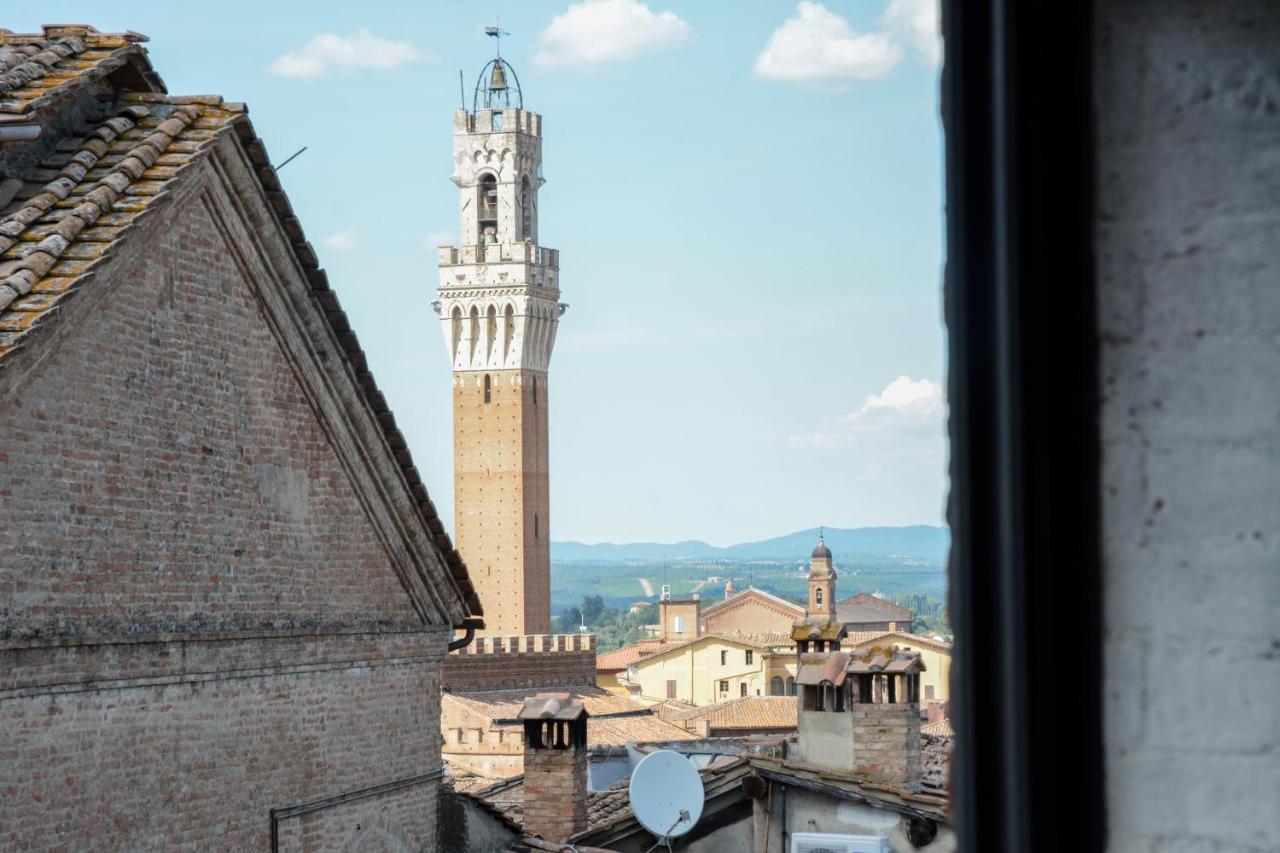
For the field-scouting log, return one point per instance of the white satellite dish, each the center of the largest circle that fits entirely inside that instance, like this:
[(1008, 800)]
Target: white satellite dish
[(666, 794)]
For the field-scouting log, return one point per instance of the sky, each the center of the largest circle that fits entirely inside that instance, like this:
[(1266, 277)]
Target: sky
[(746, 196)]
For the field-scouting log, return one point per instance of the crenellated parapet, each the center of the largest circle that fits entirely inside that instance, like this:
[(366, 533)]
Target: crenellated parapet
[(530, 661)]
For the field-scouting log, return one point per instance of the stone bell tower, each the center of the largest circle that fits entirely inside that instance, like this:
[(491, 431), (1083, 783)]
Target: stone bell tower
[(499, 307)]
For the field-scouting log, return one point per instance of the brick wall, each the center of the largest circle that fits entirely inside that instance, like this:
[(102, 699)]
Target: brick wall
[(493, 663), (886, 742), (166, 470), (555, 792), (199, 619), (192, 743), (502, 498)]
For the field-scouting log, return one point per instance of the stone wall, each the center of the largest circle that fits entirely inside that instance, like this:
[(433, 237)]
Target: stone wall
[(1188, 179)]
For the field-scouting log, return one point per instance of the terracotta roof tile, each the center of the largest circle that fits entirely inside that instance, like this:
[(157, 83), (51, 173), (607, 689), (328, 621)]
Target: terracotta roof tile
[(36, 69), (612, 720), (895, 638), (627, 655), (604, 808), (865, 607), (748, 712), (941, 727)]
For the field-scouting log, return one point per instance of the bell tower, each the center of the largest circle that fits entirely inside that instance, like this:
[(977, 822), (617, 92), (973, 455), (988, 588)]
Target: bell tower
[(499, 307), (822, 583)]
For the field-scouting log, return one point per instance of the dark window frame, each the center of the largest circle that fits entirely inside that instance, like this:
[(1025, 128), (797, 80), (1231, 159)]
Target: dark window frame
[(1023, 393)]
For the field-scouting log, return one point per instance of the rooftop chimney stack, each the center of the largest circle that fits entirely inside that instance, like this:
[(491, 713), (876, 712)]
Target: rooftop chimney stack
[(862, 710), (555, 766)]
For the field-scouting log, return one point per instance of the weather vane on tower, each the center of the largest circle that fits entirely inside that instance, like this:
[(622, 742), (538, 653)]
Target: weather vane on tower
[(497, 32)]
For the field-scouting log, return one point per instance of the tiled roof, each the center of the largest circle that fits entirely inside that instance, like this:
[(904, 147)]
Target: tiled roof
[(757, 639), (849, 786), (865, 607), (604, 808), (941, 728), (37, 69), (78, 205), (671, 708), (760, 595), (832, 667), (748, 712), (627, 655), (612, 720), (64, 216), (895, 638)]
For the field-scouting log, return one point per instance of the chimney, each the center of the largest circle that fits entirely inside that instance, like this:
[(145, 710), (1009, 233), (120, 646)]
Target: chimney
[(862, 712), (555, 766)]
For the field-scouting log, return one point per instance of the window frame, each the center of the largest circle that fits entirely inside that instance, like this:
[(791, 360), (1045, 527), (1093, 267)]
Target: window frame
[(1020, 307)]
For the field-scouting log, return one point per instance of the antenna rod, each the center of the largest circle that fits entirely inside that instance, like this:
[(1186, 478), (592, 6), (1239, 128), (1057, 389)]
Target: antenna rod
[(290, 159), (462, 92)]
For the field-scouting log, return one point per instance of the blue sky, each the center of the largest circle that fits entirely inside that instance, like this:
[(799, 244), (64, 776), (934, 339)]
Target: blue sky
[(747, 197)]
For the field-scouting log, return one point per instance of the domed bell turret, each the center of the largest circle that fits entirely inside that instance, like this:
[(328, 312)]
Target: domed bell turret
[(498, 80)]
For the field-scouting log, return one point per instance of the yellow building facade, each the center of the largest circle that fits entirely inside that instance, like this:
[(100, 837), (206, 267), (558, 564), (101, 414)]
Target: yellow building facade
[(713, 668)]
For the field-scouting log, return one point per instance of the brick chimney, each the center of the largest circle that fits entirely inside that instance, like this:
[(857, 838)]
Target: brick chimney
[(555, 766), (861, 713)]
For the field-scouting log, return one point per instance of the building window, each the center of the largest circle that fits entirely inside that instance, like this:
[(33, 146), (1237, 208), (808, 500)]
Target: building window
[(677, 624), (724, 657), (742, 689), (775, 686), (724, 687), (671, 690), (750, 657), (488, 198), (817, 596), (928, 691), (488, 388), (791, 686), (535, 525)]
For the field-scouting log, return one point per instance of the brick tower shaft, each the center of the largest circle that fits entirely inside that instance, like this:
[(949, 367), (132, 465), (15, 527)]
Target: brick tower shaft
[(502, 497)]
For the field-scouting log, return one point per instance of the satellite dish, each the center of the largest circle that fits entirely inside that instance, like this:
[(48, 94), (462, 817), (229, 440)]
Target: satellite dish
[(666, 794)]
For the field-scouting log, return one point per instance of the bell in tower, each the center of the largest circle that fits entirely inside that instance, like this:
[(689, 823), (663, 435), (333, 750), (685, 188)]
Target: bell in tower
[(498, 79)]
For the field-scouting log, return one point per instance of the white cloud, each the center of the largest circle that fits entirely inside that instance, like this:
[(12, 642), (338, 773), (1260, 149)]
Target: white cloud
[(904, 394), (341, 241), (916, 22), (327, 52), (597, 31), (906, 411), (819, 46), (436, 239)]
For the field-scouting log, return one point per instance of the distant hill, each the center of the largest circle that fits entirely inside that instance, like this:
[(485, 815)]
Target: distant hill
[(920, 542)]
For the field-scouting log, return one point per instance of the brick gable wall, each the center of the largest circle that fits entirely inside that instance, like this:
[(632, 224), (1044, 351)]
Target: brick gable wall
[(199, 623), (167, 472)]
